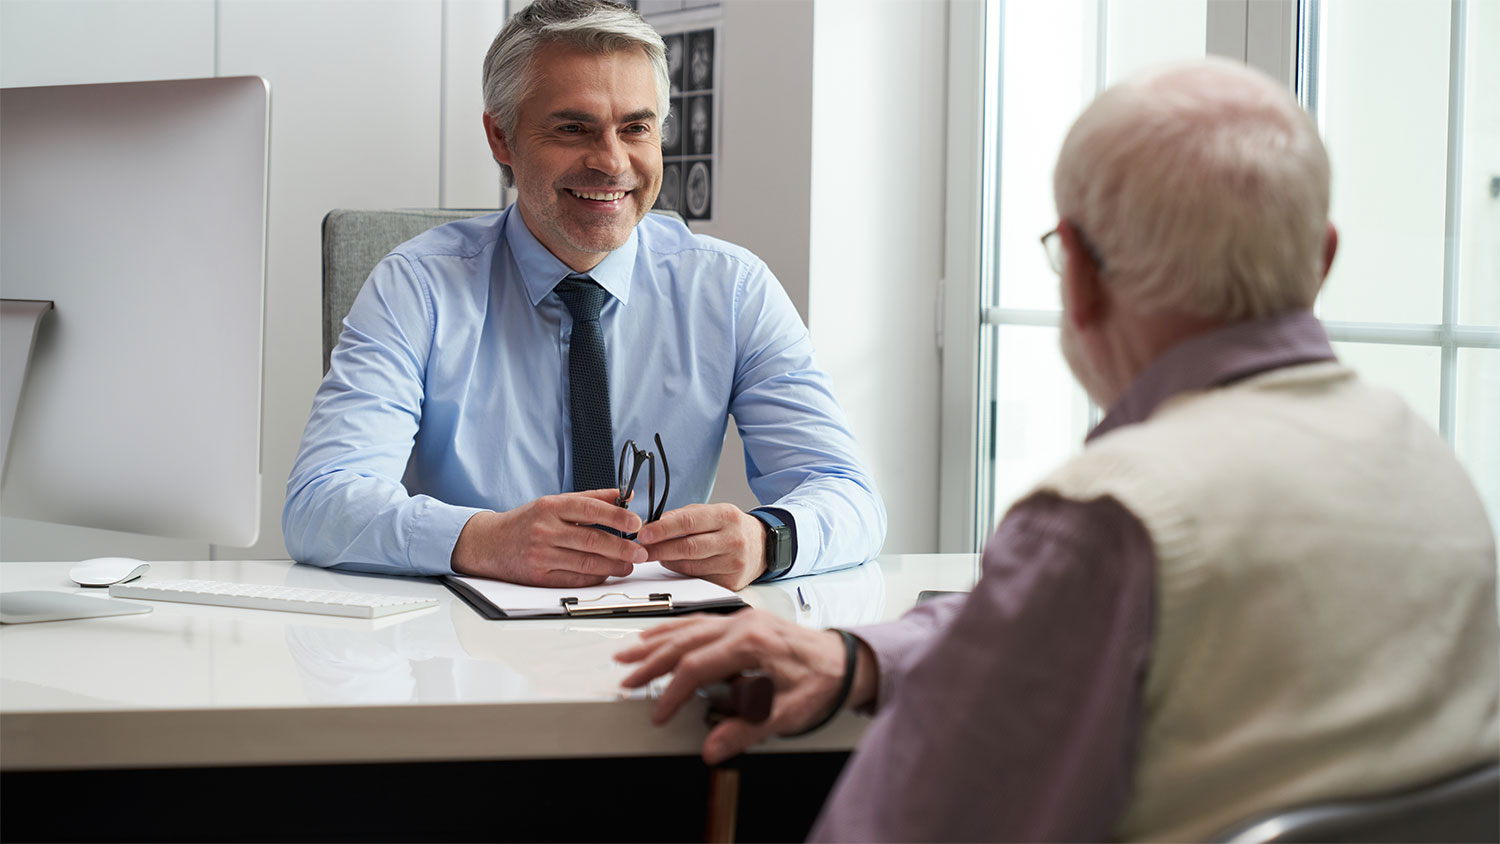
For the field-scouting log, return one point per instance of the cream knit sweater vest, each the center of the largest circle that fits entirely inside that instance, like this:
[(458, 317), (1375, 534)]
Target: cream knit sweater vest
[(1325, 618)]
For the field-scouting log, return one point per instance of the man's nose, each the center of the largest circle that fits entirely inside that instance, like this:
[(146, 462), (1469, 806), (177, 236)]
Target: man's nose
[(607, 155)]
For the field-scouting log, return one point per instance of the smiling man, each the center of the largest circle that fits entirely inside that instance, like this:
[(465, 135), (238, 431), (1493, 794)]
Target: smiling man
[(492, 369), (584, 151)]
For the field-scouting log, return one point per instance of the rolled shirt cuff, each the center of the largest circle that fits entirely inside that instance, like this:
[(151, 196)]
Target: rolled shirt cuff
[(435, 531), (809, 539)]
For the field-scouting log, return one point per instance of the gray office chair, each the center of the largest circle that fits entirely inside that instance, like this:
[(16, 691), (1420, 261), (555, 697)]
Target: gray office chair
[(355, 241), (1455, 809)]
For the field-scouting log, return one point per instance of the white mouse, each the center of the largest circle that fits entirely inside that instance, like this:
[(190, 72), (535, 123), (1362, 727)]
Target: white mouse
[(102, 571)]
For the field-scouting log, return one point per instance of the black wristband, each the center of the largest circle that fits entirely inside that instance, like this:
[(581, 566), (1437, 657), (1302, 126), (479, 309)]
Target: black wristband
[(851, 656)]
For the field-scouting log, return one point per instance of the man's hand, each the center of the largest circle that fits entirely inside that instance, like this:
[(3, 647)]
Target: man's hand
[(717, 542), (549, 542), (806, 666)]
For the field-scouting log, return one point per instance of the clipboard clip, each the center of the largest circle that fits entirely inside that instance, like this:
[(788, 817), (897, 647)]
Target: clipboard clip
[(655, 602)]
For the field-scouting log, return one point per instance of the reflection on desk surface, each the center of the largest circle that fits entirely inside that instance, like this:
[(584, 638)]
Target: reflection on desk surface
[(455, 655), (460, 657), (464, 657), (187, 656), (845, 598)]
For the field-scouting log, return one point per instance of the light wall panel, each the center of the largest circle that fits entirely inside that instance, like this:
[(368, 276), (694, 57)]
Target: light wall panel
[(73, 42), (877, 203), (470, 177), (355, 108), (764, 172)]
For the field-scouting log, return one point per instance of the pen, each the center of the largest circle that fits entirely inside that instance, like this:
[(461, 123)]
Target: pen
[(802, 601)]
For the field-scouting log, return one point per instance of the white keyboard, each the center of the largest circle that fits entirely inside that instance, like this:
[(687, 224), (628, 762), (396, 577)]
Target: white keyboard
[(253, 596)]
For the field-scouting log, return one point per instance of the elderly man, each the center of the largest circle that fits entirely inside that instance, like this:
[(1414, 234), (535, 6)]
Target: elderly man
[(501, 364), (1264, 582)]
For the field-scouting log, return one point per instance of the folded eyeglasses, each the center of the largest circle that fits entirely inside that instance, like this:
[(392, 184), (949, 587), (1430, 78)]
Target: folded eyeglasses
[(635, 458)]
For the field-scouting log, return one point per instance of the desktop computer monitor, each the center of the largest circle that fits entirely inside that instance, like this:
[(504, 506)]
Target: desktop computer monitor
[(139, 211)]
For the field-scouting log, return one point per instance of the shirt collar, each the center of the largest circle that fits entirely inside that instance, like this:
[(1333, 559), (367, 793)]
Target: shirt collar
[(1217, 358), (541, 270)]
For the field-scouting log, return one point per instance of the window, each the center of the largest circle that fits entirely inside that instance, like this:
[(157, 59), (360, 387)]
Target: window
[(1043, 62), (1406, 97)]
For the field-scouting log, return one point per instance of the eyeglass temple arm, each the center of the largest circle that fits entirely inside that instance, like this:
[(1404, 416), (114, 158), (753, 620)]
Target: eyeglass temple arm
[(666, 483), (651, 487)]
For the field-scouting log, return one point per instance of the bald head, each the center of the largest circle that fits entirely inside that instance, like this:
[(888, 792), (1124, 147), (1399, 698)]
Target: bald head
[(1203, 186)]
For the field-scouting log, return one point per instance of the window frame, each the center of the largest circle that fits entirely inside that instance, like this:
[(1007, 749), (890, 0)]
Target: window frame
[(1450, 335), (1280, 37), (959, 341)]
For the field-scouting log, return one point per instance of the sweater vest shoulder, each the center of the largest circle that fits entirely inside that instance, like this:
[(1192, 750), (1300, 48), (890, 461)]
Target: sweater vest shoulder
[(1325, 598)]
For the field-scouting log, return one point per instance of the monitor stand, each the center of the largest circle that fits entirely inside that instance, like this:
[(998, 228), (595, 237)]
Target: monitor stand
[(27, 607), (19, 321)]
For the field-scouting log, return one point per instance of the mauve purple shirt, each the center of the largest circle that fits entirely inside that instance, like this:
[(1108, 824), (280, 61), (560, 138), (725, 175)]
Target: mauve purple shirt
[(1013, 713)]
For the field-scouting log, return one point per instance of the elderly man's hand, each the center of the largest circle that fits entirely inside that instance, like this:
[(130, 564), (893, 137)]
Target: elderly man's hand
[(717, 542), (806, 666), (550, 542)]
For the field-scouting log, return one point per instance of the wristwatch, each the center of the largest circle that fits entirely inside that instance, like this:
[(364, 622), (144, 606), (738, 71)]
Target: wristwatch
[(781, 540)]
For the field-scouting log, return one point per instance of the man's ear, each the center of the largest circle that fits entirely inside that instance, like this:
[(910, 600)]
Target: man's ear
[(1084, 297), (499, 147), (1330, 248)]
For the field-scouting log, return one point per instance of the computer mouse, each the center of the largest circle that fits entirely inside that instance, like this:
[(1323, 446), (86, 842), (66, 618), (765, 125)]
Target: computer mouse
[(102, 571)]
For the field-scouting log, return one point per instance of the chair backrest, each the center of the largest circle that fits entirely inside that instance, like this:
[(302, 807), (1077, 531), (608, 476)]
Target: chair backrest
[(354, 241), (1460, 808)]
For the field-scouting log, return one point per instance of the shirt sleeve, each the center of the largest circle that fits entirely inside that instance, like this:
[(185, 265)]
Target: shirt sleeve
[(799, 452), (345, 504), (1012, 714)]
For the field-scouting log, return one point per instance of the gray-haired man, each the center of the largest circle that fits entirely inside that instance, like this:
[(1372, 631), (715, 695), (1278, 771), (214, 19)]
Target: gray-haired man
[(1263, 583), (501, 362)]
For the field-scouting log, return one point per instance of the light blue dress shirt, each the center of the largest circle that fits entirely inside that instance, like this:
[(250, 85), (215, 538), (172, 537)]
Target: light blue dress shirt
[(447, 394)]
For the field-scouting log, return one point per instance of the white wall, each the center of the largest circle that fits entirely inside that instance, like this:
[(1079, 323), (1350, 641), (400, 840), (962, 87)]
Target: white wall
[(58, 42), (832, 172), (878, 169), (765, 162)]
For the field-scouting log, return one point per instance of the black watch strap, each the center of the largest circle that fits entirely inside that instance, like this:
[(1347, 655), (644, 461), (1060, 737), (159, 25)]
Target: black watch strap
[(781, 540)]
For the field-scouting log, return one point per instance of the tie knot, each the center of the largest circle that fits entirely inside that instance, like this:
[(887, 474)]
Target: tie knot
[(583, 296)]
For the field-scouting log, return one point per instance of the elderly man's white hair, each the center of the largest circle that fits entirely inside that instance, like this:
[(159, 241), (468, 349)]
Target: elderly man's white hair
[(1203, 186)]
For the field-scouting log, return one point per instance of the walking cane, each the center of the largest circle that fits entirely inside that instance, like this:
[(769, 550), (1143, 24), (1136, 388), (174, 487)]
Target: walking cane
[(744, 696)]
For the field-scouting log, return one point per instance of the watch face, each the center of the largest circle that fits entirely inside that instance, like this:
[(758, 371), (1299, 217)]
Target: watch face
[(780, 541), (778, 550)]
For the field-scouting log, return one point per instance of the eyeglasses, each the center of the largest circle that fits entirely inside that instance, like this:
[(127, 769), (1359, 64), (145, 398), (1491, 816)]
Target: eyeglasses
[(635, 458), (1052, 245)]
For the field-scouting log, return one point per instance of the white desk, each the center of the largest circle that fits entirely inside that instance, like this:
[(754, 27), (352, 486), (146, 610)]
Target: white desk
[(189, 685)]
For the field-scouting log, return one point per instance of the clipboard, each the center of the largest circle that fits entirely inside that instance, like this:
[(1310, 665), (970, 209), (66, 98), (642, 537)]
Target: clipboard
[(650, 591)]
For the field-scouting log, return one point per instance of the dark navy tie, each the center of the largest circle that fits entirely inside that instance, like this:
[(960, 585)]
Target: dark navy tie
[(593, 430)]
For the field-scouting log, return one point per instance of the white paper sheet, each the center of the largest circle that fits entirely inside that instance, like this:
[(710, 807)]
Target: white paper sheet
[(521, 601)]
